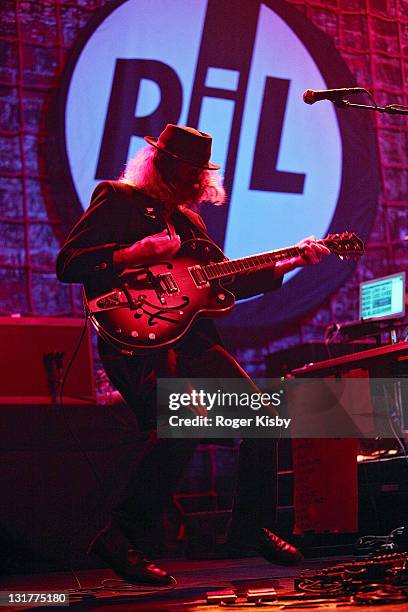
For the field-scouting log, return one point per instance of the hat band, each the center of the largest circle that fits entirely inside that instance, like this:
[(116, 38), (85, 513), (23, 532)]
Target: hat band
[(200, 160)]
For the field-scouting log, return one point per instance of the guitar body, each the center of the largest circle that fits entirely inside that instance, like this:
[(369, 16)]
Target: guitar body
[(153, 306)]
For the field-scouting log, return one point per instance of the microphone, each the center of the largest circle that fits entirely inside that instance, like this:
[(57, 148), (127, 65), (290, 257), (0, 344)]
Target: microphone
[(310, 96)]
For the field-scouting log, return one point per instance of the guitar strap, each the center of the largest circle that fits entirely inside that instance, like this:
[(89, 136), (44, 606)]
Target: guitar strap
[(198, 231), (171, 229)]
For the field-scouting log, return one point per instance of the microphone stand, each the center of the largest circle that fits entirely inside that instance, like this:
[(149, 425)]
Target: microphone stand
[(391, 109)]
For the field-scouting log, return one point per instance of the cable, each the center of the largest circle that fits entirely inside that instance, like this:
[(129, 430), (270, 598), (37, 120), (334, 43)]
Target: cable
[(112, 585), (398, 439), (398, 409), (76, 578), (376, 542), (118, 585), (79, 593), (64, 416), (377, 594), (71, 361)]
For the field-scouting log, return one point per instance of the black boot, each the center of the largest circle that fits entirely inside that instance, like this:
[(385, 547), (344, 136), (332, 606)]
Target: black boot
[(111, 545), (274, 549), (145, 532)]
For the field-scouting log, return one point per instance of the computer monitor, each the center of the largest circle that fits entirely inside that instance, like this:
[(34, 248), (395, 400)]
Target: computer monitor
[(383, 298)]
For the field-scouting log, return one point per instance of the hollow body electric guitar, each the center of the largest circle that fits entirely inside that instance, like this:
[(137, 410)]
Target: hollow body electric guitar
[(153, 306)]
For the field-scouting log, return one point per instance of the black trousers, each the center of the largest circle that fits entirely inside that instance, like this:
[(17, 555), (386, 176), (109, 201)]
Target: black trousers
[(157, 474)]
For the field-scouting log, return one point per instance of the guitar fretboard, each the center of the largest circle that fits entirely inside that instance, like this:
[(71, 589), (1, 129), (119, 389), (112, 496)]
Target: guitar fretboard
[(244, 264)]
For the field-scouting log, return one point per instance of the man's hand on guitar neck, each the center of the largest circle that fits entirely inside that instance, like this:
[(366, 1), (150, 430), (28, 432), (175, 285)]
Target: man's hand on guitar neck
[(152, 248), (312, 252)]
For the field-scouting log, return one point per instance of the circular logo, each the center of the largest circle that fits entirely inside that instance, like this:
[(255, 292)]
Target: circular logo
[(289, 168)]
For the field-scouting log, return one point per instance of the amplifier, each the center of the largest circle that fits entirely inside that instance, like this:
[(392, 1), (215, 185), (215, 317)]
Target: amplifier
[(25, 342), (383, 495)]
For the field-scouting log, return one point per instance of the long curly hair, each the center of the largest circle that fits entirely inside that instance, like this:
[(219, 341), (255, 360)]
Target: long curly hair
[(150, 171)]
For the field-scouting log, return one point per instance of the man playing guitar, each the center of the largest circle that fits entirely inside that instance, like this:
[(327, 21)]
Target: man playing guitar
[(144, 219)]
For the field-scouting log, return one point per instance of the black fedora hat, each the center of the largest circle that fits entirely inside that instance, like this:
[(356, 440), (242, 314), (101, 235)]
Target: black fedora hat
[(186, 144)]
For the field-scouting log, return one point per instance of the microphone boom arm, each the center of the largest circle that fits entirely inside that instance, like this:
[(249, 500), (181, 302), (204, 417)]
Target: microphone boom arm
[(391, 109)]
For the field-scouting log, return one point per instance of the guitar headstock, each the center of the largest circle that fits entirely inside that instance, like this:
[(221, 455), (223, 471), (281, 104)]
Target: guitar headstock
[(346, 245)]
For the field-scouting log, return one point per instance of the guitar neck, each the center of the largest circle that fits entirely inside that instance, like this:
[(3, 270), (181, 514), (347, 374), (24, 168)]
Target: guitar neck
[(223, 269)]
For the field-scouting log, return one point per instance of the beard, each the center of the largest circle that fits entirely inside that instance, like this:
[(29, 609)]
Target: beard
[(185, 194)]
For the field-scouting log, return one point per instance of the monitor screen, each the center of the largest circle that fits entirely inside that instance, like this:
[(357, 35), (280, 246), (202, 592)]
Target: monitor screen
[(383, 298)]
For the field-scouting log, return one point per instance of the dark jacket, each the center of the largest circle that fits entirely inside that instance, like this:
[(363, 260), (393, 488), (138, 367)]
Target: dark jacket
[(120, 215)]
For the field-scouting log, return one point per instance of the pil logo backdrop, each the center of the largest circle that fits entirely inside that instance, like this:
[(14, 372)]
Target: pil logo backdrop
[(236, 70)]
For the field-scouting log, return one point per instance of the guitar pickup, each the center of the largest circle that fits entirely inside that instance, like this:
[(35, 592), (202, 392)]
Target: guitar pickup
[(198, 276), (167, 283)]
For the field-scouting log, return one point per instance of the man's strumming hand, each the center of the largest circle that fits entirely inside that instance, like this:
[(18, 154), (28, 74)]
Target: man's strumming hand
[(148, 250)]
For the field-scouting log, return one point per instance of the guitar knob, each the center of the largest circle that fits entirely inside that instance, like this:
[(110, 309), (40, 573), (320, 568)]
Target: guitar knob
[(134, 334), (138, 313), (152, 336), (221, 297)]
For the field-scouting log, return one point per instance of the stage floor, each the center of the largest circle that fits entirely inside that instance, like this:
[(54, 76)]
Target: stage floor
[(194, 580)]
